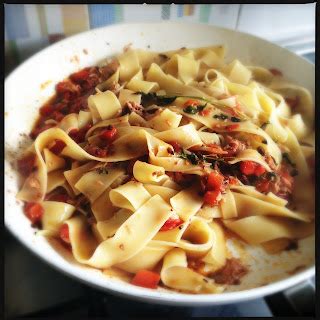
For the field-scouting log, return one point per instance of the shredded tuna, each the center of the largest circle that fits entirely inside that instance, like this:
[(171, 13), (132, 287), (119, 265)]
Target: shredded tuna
[(284, 185), (210, 148), (133, 107), (109, 69), (231, 273), (234, 146), (281, 185)]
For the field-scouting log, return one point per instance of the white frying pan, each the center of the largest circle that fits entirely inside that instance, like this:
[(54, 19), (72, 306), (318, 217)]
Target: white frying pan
[(32, 83)]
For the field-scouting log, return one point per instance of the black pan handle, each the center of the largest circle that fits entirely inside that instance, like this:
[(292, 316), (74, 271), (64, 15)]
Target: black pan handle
[(296, 301)]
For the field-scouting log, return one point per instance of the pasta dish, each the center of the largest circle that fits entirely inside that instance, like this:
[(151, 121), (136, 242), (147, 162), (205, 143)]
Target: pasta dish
[(148, 162)]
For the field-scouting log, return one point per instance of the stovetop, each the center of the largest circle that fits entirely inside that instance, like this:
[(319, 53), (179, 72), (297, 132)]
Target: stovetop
[(33, 288)]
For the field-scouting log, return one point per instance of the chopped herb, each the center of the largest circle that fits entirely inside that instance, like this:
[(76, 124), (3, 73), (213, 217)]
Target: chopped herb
[(181, 226), (205, 280), (183, 155), (194, 110), (264, 125), (220, 116), (192, 157), (294, 172), (234, 119), (152, 98), (102, 170), (190, 110), (287, 158)]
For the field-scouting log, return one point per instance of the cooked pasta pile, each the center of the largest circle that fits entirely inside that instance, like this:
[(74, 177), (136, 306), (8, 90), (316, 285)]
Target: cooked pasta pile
[(144, 162)]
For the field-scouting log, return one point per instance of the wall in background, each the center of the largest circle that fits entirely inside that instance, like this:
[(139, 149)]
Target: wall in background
[(29, 28)]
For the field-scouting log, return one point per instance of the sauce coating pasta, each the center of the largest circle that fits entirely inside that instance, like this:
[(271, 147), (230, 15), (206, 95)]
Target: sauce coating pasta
[(143, 163)]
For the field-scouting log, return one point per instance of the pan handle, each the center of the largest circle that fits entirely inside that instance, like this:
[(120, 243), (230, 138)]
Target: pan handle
[(295, 301)]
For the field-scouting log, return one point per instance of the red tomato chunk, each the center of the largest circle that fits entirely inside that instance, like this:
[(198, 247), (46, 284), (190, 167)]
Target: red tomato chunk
[(176, 146), (64, 233), (213, 188), (232, 127), (250, 167), (215, 180), (146, 279), (34, 211), (58, 146), (192, 103), (79, 135), (109, 134), (171, 223), (97, 152), (211, 197)]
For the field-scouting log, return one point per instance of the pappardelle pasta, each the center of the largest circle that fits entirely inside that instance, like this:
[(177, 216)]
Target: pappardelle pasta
[(146, 162)]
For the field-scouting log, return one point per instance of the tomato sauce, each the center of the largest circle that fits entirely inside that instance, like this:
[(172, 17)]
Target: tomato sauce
[(71, 97)]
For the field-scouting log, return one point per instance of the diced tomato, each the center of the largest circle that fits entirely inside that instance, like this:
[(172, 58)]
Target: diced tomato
[(58, 146), (64, 233), (74, 135), (46, 110), (204, 112), (26, 164), (79, 135), (276, 72), (192, 103), (146, 279), (247, 167), (176, 146), (233, 180), (109, 134), (211, 197), (215, 180), (250, 167), (232, 127), (171, 223), (230, 110), (214, 186), (97, 152), (34, 211), (80, 76), (260, 170)]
